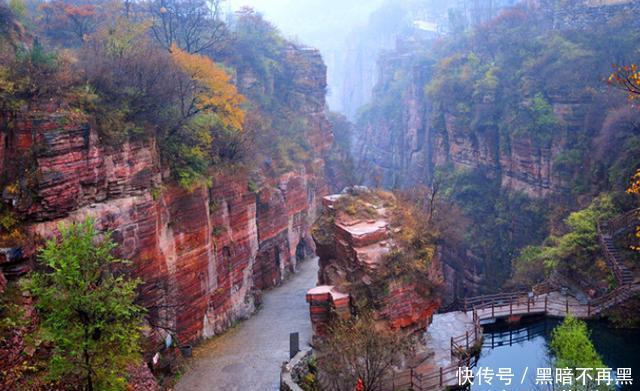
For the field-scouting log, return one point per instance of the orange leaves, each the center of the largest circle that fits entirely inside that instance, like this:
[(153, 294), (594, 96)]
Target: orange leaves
[(61, 18), (60, 8), (80, 10), (627, 78), (634, 188), (212, 87)]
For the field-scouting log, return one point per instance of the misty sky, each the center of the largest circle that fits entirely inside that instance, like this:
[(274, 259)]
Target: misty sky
[(313, 22), (322, 24)]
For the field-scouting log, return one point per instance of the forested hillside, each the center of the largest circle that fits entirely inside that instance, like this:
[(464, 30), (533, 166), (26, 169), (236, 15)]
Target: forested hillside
[(513, 121)]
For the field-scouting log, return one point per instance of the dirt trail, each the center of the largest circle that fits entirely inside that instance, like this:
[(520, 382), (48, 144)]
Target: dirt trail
[(249, 356)]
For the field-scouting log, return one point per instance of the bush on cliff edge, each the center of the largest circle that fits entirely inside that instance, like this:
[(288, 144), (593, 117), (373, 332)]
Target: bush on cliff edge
[(87, 309)]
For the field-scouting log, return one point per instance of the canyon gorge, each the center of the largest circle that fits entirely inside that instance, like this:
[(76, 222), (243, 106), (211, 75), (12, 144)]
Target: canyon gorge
[(479, 150)]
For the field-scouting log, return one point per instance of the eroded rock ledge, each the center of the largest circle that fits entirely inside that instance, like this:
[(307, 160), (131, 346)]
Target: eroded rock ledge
[(203, 255), (369, 256)]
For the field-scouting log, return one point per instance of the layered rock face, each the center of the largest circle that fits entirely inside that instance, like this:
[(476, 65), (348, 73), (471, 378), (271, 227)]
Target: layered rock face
[(397, 152), (400, 142), (203, 256), (405, 150), (355, 255)]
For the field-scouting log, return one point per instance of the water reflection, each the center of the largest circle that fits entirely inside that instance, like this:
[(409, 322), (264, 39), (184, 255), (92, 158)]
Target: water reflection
[(524, 347)]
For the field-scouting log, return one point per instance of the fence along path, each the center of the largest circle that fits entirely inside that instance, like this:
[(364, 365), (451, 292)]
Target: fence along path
[(542, 300)]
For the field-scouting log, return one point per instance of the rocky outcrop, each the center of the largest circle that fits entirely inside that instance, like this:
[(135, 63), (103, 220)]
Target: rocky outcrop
[(356, 243), (203, 255), (400, 140), (586, 13), (397, 151), (403, 151)]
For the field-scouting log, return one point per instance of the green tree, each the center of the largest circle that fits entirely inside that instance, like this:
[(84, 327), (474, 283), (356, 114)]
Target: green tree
[(87, 308), (575, 253), (572, 346)]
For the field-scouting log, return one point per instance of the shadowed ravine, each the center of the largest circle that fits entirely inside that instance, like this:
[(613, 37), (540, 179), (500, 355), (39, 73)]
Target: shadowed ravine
[(249, 356)]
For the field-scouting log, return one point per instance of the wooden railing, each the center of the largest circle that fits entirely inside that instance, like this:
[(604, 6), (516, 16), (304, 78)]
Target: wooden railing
[(487, 300), (461, 353), (606, 234), (538, 301), (620, 223), (462, 345), (500, 305)]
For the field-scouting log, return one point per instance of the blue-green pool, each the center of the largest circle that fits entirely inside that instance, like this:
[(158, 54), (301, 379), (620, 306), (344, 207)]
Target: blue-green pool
[(523, 347)]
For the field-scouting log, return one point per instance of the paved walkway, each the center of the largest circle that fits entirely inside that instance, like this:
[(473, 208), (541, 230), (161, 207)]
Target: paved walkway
[(439, 334), (249, 356)]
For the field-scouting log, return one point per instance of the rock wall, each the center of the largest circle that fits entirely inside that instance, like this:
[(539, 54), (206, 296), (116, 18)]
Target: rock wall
[(397, 152), (405, 151), (203, 256), (352, 251), (400, 142), (587, 13)]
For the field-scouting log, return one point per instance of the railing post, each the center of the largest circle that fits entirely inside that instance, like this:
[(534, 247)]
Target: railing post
[(492, 310), (545, 303), (411, 374), (510, 308), (528, 305), (294, 344), (589, 309), (567, 304), (441, 377), (465, 304), (467, 336), (475, 330)]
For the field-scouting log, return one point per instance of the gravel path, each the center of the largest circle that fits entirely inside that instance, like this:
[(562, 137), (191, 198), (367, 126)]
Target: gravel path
[(248, 357)]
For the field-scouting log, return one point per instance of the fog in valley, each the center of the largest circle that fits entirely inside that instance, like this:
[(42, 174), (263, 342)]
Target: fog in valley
[(328, 25), (351, 34)]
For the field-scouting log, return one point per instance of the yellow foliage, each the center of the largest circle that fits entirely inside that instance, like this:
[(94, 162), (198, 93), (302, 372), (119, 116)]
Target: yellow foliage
[(627, 78), (213, 90), (6, 84), (634, 188)]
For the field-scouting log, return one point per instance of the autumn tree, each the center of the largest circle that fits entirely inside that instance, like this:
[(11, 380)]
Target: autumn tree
[(65, 20), (132, 81), (627, 78), (634, 189), (192, 25), (207, 87), (356, 349), (186, 99), (87, 308), (208, 104)]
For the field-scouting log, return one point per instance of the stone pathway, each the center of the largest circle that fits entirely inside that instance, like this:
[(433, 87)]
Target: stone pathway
[(439, 333), (249, 356)]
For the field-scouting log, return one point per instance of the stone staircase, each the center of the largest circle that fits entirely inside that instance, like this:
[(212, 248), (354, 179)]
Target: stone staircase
[(623, 274)]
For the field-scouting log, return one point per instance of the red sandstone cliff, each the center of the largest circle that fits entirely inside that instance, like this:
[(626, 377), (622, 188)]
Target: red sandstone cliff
[(204, 255), (357, 239), (405, 150)]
